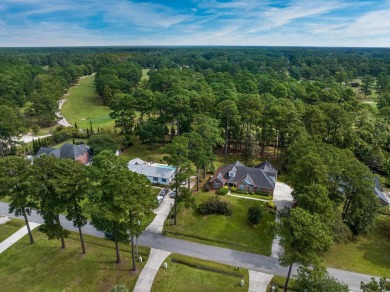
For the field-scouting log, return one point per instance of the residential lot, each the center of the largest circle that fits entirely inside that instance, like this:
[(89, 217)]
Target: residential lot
[(227, 231)]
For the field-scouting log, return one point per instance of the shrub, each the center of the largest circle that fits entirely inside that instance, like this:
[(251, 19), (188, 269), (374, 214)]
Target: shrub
[(271, 205), (254, 214), (215, 205), (222, 192), (119, 288), (233, 189), (262, 193), (206, 187), (35, 129)]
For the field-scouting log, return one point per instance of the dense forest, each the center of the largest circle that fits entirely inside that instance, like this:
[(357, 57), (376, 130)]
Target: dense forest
[(297, 104)]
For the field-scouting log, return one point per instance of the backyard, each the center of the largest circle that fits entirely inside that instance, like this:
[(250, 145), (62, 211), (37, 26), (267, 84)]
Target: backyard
[(226, 231), (145, 152)]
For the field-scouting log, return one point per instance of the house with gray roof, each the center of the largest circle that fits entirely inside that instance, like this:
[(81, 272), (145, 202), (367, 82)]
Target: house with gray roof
[(261, 178), (71, 151), (156, 173)]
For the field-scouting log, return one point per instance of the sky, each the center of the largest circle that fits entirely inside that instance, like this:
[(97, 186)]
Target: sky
[(329, 23)]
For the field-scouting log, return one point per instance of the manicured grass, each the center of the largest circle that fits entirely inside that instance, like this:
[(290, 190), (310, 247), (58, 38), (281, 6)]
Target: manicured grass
[(268, 198), (279, 281), (83, 105), (227, 231), (368, 254), (145, 153), (145, 75), (9, 228), (70, 141), (44, 266), (6, 199), (187, 277)]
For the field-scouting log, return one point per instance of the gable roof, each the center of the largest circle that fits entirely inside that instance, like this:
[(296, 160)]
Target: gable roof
[(45, 150), (267, 167), (65, 151), (250, 175), (72, 151)]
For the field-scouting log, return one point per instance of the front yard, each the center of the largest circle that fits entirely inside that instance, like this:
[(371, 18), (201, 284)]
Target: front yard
[(233, 231), (189, 274), (368, 254), (44, 266), (9, 228)]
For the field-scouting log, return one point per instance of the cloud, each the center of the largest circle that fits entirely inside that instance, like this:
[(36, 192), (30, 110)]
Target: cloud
[(197, 22)]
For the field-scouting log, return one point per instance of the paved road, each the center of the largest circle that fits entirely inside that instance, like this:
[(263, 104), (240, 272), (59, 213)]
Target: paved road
[(235, 258)]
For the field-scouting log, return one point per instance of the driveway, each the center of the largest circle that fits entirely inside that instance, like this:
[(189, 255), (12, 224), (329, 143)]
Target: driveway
[(282, 199), (162, 213)]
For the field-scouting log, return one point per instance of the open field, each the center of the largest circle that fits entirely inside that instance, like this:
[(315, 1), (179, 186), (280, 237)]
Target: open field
[(366, 254), (144, 152), (9, 228), (145, 75), (44, 266), (359, 93), (83, 105), (189, 274), (233, 231)]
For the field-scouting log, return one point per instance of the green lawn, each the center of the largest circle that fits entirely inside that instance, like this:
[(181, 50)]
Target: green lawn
[(255, 196), (366, 254), (144, 152), (44, 266), (196, 276), (83, 105), (70, 141), (227, 231), (279, 281), (9, 228)]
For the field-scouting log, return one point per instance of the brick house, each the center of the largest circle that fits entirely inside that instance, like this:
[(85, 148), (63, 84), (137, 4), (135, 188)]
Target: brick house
[(76, 152), (261, 178)]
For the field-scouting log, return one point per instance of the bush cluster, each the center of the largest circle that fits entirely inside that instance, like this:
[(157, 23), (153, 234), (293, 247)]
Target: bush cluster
[(215, 205), (254, 214), (271, 205), (222, 191)]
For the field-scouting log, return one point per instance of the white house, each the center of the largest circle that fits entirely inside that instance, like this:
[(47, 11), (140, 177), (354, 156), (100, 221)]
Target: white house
[(156, 173)]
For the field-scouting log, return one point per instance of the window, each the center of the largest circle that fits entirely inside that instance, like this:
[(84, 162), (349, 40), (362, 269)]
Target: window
[(155, 178), (241, 187), (164, 180), (216, 185)]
